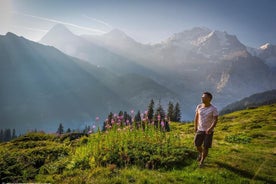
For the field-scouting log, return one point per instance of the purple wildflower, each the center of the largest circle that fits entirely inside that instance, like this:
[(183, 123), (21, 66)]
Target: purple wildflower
[(158, 117)]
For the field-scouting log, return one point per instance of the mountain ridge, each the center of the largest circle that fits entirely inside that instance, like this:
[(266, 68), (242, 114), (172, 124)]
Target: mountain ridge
[(38, 86), (41, 86), (267, 53), (198, 58), (253, 101)]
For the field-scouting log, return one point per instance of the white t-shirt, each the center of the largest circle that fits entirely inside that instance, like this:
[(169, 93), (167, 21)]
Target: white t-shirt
[(205, 116)]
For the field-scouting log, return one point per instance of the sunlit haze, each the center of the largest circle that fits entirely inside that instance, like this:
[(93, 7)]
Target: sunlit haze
[(252, 21)]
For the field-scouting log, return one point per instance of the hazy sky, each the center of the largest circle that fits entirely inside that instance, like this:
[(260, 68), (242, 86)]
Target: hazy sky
[(147, 21)]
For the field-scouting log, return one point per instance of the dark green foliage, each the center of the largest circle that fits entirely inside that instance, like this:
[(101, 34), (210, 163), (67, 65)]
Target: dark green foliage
[(72, 136), (7, 135), (137, 117), (238, 138), (68, 130), (174, 112), (60, 129), (177, 112), (21, 159), (34, 136), (159, 113), (170, 112), (151, 110), (127, 117), (144, 155)]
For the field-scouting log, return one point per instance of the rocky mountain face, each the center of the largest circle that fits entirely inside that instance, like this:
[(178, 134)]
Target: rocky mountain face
[(199, 59), (267, 53)]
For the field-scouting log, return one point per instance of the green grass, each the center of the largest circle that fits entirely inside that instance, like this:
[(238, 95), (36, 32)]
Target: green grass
[(243, 152)]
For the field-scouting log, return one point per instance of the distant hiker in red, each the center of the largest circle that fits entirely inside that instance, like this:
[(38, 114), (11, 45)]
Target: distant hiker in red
[(206, 117)]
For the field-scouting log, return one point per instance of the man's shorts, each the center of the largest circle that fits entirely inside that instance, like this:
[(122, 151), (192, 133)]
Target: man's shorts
[(202, 138)]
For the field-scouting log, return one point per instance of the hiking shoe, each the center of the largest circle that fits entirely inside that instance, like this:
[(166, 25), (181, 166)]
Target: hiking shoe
[(201, 165)]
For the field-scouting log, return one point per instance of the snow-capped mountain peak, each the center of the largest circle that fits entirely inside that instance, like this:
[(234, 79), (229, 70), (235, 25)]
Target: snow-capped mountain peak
[(221, 38), (265, 46), (188, 35)]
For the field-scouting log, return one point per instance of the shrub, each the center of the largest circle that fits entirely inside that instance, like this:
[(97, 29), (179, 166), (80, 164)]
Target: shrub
[(145, 148), (21, 161), (238, 138)]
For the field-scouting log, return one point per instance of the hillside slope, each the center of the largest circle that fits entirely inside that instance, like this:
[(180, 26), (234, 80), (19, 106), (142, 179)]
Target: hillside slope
[(243, 152), (255, 100), (41, 86)]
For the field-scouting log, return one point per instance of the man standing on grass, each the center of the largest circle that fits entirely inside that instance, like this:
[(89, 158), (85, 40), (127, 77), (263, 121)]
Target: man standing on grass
[(206, 117)]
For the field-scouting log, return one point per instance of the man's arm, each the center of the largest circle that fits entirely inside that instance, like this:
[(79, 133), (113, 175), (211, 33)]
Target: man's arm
[(215, 120), (196, 121)]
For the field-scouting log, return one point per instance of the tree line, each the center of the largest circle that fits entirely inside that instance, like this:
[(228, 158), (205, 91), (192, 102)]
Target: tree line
[(7, 135), (153, 115), (159, 117)]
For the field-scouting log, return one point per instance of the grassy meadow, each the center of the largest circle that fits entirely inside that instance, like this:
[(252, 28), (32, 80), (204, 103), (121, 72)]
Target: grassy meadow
[(244, 151)]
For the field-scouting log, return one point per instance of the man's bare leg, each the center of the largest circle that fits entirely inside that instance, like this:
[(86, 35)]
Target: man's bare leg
[(200, 150), (204, 155)]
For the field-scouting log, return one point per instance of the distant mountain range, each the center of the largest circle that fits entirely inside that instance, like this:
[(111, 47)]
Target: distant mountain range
[(42, 87), (255, 100), (187, 63), (90, 76)]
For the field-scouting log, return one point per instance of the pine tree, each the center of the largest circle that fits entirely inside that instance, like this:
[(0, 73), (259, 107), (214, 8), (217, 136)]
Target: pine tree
[(127, 118), (170, 113), (13, 134), (137, 120), (159, 113), (110, 117), (86, 129), (1, 135), (7, 135), (137, 117), (151, 110), (60, 129), (68, 130), (177, 112), (120, 113)]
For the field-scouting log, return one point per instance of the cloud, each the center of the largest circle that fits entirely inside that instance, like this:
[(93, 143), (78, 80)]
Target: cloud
[(99, 21), (62, 22)]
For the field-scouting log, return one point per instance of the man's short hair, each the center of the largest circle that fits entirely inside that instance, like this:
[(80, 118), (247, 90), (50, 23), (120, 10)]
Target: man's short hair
[(208, 94)]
